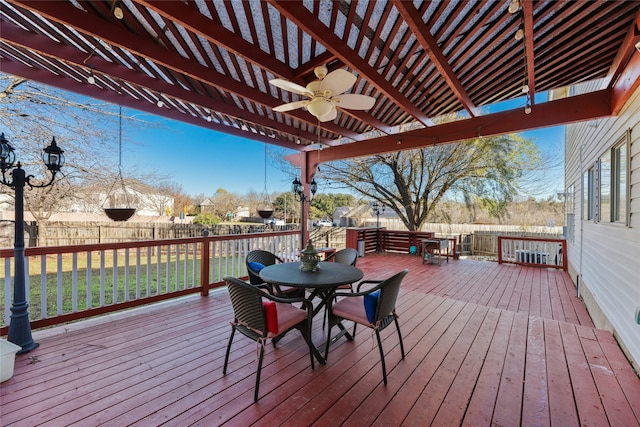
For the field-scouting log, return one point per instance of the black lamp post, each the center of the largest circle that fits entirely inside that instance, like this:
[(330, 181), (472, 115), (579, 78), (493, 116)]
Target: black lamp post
[(377, 208), (19, 326), (298, 190)]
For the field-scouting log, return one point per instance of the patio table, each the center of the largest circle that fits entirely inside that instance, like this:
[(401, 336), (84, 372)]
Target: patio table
[(322, 283)]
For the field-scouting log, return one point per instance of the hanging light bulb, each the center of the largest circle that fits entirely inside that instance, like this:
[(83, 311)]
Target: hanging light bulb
[(117, 11), (527, 107), (525, 88), (91, 79), (520, 33), (160, 102), (514, 5), (209, 118)]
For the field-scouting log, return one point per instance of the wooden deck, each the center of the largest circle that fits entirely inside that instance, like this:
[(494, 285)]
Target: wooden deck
[(485, 344)]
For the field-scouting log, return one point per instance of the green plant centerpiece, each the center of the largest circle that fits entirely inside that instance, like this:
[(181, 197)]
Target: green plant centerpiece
[(310, 258)]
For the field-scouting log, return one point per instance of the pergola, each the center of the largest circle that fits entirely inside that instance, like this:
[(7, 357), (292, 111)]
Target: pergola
[(210, 63)]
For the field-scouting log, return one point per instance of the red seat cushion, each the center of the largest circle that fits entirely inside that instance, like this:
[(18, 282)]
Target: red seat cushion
[(271, 314)]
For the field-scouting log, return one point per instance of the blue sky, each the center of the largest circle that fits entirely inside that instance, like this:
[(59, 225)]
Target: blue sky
[(205, 160)]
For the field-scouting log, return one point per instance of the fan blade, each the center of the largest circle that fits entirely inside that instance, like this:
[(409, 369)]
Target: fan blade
[(290, 106), (331, 115), (352, 101), (291, 87), (337, 82)]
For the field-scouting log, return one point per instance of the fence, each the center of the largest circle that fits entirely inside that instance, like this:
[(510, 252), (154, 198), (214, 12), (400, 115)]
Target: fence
[(65, 283), (63, 233)]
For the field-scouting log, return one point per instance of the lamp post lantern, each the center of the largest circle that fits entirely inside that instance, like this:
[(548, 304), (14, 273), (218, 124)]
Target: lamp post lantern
[(19, 326), (377, 209), (298, 190)]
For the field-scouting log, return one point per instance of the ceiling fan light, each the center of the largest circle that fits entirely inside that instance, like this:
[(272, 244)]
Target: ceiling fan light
[(319, 107)]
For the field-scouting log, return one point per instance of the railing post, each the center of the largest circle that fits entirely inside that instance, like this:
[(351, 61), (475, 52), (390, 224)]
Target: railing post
[(204, 266), (499, 249)]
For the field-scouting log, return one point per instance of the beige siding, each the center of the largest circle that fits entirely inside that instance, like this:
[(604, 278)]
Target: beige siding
[(606, 256)]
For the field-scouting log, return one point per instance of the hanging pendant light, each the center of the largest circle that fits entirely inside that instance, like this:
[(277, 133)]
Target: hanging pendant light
[(118, 208), (265, 208)]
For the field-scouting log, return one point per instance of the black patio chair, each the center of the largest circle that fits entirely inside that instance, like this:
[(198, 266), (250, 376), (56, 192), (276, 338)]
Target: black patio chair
[(254, 318), (374, 308), (347, 256), (258, 259)]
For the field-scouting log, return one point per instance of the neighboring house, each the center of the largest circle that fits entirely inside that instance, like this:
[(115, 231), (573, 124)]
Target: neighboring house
[(143, 198), (602, 193), (206, 206), (242, 212), (6, 202), (363, 216), (340, 216), (351, 216)]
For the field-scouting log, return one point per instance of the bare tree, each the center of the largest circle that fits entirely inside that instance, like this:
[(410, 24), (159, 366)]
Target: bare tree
[(484, 171), (224, 203)]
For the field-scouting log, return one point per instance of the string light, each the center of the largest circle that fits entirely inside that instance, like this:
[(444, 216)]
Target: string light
[(520, 33), (160, 102), (527, 107), (117, 11), (91, 79), (520, 36), (514, 5)]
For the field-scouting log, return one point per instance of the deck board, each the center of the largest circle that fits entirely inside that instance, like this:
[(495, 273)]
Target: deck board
[(485, 344)]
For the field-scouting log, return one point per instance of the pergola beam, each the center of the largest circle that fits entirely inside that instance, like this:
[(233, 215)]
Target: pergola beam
[(560, 112)]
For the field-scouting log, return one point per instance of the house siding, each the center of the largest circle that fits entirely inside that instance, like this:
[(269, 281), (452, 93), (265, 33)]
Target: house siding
[(604, 257)]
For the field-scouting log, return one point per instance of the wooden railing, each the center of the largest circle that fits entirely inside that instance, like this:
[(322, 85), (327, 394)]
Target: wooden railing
[(65, 283), (388, 240), (542, 252)]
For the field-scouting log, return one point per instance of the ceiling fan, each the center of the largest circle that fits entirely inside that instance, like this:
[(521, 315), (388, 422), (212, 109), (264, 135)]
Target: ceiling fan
[(325, 94)]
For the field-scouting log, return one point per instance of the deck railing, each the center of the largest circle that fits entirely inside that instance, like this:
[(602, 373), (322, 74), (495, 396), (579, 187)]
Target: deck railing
[(542, 252), (66, 283), (388, 240)]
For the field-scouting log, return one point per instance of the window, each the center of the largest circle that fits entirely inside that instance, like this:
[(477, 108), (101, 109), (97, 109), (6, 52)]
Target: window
[(606, 187), (588, 194), (620, 181), (604, 214), (569, 208)]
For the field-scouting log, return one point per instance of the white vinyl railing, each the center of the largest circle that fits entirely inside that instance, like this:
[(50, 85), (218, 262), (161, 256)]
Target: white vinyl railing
[(532, 251)]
